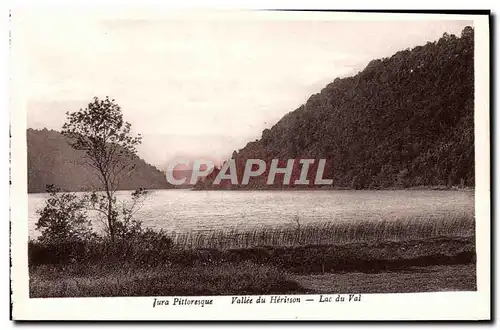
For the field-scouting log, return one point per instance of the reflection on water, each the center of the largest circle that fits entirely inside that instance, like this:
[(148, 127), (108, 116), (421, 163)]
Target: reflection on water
[(186, 210)]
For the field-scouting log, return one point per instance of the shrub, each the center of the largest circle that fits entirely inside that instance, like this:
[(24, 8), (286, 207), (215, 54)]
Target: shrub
[(145, 247), (64, 218), (67, 235)]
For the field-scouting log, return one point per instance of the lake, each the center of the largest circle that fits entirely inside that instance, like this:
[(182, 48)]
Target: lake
[(187, 210)]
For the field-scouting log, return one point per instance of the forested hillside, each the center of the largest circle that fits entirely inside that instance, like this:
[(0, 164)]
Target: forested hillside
[(51, 160), (406, 120)]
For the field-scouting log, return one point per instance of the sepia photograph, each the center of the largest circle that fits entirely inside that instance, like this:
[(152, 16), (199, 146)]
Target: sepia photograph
[(270, 158)]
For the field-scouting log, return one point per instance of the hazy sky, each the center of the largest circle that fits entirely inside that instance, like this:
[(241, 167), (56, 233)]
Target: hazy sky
[(199, 86)]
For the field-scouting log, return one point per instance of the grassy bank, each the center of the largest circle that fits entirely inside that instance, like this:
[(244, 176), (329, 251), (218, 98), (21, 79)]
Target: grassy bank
[(383, 267), (415, 279), (254, 262), (130, 279)]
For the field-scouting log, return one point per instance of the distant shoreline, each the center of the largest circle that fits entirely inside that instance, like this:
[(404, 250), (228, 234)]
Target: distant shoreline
[(441, 188), (422, 188)]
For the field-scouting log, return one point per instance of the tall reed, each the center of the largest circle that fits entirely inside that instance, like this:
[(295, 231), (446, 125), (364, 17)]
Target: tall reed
[(337, 232)]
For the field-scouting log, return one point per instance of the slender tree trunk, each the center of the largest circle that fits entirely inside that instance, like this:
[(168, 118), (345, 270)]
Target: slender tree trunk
[(111, 220), (111, 223)]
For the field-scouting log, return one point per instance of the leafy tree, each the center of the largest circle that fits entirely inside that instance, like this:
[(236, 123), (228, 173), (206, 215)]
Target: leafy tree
[(100, 131)]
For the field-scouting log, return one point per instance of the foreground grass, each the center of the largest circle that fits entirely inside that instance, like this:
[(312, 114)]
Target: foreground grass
[(112, 280), (247, 279), (358, 267), (370, 256), (414, 279)]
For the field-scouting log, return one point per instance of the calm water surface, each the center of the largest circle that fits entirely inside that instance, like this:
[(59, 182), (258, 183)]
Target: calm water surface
[(187, 210)]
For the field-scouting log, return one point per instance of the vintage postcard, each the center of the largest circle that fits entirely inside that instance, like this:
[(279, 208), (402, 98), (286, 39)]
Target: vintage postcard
[(249, 165)]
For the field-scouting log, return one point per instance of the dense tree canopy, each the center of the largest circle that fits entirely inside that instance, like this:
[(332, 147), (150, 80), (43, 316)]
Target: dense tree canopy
[(406, 120)]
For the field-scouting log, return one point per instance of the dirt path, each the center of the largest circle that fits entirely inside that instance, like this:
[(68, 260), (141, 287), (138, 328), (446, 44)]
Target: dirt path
[(414, 279)]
